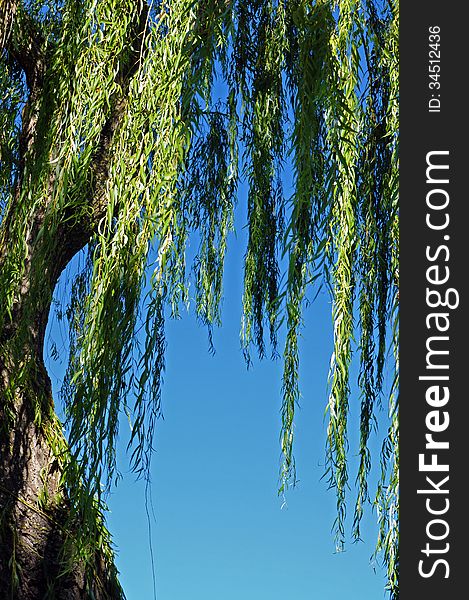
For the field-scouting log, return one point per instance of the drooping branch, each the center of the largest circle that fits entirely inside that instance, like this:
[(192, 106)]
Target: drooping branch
[(24, 41), (76, 223), (7, 12)]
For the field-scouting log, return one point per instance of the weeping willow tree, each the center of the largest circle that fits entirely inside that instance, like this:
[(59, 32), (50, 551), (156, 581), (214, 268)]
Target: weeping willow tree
[(125, 127)]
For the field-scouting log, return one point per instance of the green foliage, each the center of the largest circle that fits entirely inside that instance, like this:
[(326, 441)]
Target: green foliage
[(138, 146)]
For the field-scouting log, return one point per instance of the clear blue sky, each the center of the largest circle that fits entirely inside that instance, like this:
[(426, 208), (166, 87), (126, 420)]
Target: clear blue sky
[(219, 532)]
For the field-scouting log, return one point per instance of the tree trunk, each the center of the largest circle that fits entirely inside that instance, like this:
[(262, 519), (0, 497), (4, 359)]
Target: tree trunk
[(40, 530), (31, 537), (40, 525), (37, 532)]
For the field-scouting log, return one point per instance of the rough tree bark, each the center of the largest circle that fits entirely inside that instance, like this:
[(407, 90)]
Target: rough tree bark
[(32, 497), (33, 501), (32, 536)]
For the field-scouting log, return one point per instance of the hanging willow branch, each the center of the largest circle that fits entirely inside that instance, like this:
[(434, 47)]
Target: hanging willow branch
[(125, 128)]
